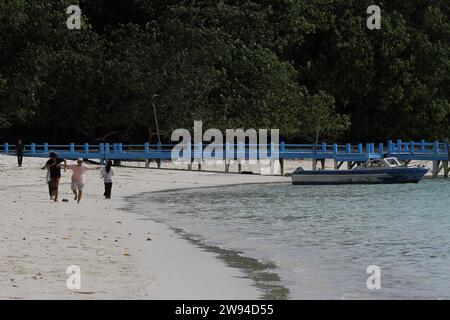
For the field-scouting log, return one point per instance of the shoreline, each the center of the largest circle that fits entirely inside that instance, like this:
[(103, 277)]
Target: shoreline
[(262, 273), (120, 256)]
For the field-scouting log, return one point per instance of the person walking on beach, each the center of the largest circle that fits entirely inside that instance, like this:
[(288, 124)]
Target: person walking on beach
[(48, 180), (54, 166), (78, 178), (107, 174), (20, 148)]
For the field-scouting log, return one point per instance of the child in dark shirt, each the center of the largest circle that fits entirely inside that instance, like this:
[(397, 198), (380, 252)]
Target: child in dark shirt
[(54, 166)]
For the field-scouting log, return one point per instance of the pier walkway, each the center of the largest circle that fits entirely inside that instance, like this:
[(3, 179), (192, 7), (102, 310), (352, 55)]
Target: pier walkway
[(352, 154)]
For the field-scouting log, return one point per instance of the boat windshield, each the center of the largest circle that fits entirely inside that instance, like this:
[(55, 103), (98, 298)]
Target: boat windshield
[(374, 164), (393, 162), (381, 163)]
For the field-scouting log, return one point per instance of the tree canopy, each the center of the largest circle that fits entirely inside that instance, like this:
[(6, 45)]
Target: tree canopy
[(295, 65)]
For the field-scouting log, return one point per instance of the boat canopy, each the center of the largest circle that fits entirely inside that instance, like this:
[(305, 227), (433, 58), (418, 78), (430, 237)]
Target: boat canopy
[(381, 163)]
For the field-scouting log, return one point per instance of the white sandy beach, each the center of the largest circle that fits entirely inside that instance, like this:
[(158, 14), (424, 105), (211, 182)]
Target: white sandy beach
[(121, 254)]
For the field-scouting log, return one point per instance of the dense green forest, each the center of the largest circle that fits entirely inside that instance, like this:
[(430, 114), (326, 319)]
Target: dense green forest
[(296, 65)]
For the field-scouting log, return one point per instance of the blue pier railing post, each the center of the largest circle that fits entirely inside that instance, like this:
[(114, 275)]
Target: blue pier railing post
[(422, 146), (381, 149), (72, 148), (33, 148), (335, 148), (146, 149), (390, 147), (368, 148), (436, 147), (360, 148), (120, 148), (411, 147), (6, 148), (101, 153), (399, 145), (107, 150), (115, 148), (189, 155), (106, 153), (159, 149), (46, 148), (275, 150), (280, 151), (348, 148), (226, 151), (199, 155), (86, 148)]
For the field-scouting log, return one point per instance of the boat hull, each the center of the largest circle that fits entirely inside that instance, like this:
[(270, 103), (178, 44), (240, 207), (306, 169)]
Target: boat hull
[(380, 176)]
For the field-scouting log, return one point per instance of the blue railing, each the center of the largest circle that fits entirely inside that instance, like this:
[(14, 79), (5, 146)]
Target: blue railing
[(341, 152)]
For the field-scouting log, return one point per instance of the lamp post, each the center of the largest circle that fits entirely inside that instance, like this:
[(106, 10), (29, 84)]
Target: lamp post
[(156, 117)]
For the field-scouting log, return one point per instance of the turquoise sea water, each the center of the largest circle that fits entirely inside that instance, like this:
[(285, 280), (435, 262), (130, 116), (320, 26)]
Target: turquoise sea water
[(322, 238)]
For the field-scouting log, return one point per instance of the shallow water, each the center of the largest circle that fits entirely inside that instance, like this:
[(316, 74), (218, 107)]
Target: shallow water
[(323, 238)]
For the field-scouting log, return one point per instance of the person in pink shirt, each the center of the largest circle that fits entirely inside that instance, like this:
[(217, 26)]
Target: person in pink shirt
[(78, 178)]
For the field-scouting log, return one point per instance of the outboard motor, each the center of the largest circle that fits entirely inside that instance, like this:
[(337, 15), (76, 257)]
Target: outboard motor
[(299, 169)]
